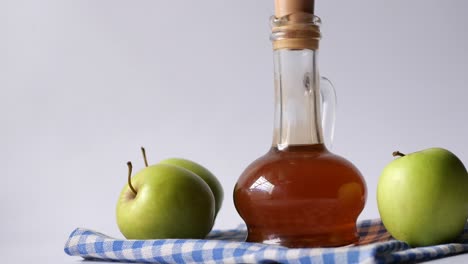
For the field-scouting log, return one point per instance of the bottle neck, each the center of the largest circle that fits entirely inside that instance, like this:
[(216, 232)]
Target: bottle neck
[(297, 98)]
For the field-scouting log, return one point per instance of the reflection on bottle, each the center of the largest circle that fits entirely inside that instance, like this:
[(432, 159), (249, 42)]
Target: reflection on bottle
[(262, 184)]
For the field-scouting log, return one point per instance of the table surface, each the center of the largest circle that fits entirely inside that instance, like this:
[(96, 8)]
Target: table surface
[(53, 253)]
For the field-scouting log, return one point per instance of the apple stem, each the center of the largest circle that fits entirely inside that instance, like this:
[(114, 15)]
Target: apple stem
[(398, 154), (129, 165), (144, 156)]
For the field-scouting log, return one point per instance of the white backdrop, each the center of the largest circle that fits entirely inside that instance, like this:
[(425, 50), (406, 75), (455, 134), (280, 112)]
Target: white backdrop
[(85, 83)]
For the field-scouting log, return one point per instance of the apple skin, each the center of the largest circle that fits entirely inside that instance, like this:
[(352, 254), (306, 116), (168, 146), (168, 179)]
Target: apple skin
[(171, 202), (423, 197), (205, 174)]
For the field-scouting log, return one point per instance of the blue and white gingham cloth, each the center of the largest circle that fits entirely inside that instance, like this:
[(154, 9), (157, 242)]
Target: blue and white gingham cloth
[(375, 246)]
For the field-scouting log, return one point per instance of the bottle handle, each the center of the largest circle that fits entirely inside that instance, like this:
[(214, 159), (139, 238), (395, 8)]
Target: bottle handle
[(328, 108)]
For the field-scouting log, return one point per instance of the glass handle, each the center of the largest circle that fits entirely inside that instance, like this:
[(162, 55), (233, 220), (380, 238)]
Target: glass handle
[(328, 107)]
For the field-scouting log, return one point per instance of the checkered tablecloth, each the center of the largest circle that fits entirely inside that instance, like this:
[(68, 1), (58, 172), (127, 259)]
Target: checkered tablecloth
[(375, 246)]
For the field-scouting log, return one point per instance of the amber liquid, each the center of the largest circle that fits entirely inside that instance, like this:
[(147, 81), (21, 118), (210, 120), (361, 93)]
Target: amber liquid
[(301, 196)]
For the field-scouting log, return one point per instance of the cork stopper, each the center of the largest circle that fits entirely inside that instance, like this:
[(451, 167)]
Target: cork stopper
[(295, 26), (286, 7)]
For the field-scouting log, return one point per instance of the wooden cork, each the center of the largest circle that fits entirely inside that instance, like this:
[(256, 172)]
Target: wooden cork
[(286, 7), (295, 26)]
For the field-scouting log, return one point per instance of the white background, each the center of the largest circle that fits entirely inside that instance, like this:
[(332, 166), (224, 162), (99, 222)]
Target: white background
[(83, 84)]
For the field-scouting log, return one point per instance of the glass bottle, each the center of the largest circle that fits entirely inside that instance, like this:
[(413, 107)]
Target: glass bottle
[(299, 194)]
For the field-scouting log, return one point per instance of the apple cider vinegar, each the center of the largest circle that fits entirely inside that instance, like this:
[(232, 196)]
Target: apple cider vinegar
[(299, 194)]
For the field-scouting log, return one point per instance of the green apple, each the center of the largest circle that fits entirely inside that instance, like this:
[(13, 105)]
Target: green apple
[(423, 197), (205, 174), (165, 201)]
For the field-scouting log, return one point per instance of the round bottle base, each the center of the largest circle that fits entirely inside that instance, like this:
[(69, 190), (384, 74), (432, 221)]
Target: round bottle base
[(343, 236)]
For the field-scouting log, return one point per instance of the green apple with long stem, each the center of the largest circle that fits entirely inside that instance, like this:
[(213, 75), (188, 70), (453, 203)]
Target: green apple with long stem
[(199, 170), (203, 173), (423, 197), (165, 201)]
